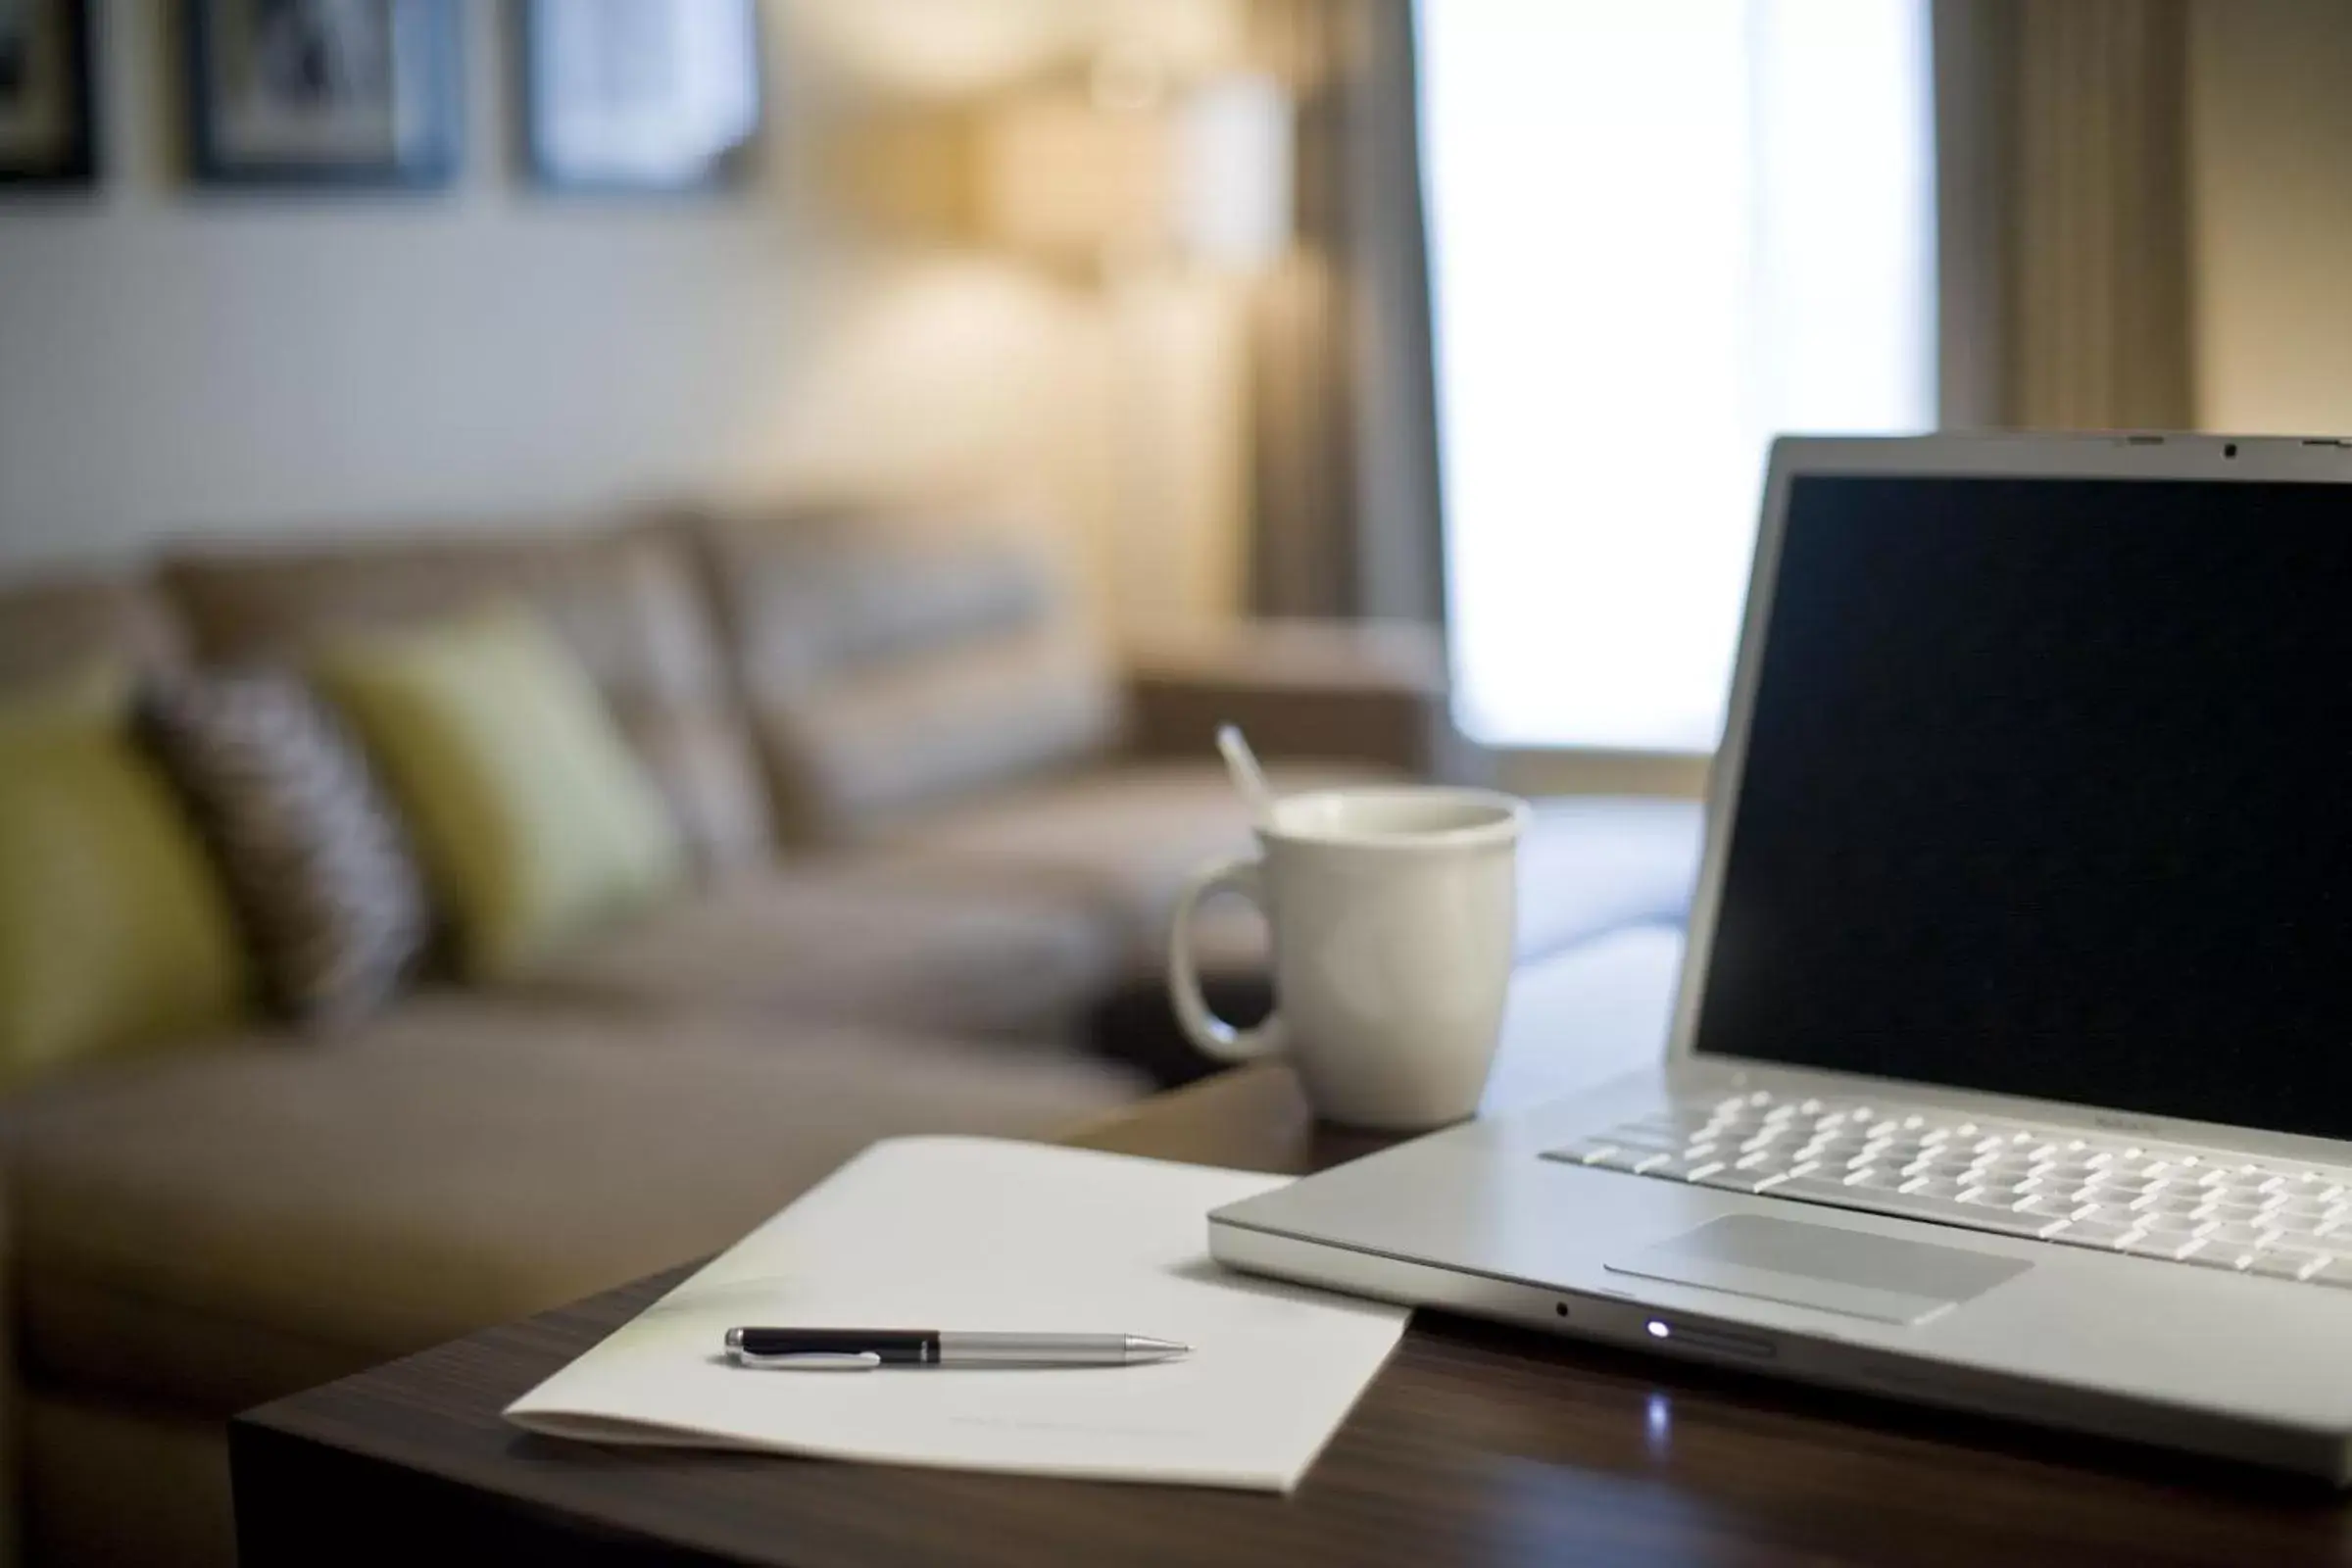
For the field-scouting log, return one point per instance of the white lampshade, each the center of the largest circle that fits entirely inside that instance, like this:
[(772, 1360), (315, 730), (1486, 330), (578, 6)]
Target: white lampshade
[(1206, 177), (1232, 197)]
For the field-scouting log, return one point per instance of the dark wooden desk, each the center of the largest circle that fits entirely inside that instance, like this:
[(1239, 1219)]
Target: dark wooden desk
[(1477, 1444)]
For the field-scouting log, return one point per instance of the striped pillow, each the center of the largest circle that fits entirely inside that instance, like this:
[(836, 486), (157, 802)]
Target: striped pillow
[(310, 848)]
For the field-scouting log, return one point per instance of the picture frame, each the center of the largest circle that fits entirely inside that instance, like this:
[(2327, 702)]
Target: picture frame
[(639, 96), (323, 94), (48, 96)]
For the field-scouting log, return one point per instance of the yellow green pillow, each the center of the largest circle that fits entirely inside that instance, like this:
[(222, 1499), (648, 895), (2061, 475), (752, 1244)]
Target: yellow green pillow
[(114, 933), (535, 823)]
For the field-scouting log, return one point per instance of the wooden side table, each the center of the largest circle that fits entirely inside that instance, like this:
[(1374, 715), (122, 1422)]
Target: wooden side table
[(1477, 1444)]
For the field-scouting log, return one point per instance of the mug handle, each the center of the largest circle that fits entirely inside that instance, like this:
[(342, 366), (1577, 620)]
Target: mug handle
[(1210, 1033)]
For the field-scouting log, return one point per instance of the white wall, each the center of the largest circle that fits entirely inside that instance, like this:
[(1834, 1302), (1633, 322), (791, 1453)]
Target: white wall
[(2271, 171), (178, 362)]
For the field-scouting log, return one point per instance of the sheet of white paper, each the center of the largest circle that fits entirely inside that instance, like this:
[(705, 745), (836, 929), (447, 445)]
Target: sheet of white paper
[(973, 1233)]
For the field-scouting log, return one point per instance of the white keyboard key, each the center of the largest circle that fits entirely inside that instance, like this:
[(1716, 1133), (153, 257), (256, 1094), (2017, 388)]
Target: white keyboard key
[(2093, 1231), (1647, 1139), (1932, 1187), (1731, 1179), (2246, 1238), (2126, 1188), (2170, 1248), (2228, 1259), (2336, 1272), (2285, 1262), (2157, 1222), (2109, 1195)]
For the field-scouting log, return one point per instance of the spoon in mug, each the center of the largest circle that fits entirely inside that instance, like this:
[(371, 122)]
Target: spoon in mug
[(1248, 779)]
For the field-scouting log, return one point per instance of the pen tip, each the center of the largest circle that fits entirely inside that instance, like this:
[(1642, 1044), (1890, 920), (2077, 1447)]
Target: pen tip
[(1141, 1349)]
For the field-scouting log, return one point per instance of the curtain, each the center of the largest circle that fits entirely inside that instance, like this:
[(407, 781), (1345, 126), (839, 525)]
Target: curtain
[(1344, 469), (2063, 262), (2063, 214)]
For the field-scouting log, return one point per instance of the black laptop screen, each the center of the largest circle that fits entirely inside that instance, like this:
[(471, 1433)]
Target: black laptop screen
[(2046, 793)]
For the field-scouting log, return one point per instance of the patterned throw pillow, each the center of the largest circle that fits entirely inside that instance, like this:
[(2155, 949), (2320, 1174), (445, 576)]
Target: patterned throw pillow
[(308, 846)]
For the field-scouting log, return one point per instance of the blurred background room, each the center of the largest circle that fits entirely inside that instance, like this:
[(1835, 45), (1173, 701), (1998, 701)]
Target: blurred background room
[(604, 601)]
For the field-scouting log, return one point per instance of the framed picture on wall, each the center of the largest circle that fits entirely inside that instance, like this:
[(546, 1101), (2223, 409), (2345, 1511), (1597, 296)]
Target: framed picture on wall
[(48, 135), (640, 95), (323, 92)]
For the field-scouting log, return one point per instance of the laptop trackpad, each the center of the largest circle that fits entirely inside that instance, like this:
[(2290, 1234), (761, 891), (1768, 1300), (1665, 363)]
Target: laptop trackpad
[(1820, 1265)]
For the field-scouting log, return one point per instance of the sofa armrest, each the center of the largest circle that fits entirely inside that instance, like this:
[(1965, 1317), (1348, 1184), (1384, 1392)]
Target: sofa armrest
[(1322, 690)]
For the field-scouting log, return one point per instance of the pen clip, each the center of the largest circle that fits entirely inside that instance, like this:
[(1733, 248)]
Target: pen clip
[(811, 1361)]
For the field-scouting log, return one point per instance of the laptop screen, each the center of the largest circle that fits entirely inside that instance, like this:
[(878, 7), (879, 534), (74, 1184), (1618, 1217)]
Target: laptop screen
[(2046, 794)]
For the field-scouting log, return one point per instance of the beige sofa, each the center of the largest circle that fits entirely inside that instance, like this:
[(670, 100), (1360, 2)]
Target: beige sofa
[(936, 826)]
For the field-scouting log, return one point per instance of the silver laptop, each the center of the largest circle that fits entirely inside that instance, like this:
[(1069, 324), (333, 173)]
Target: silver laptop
[(2012, 1063)]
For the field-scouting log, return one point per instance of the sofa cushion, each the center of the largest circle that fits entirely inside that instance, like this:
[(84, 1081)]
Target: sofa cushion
[(537, 826), (1128, 837), (114, 933), (231, 1225), (628, 603), (857, 941), (889, 665)]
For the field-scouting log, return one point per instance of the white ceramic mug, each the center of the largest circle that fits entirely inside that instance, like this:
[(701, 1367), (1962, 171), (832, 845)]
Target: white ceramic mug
[(1394, 913)]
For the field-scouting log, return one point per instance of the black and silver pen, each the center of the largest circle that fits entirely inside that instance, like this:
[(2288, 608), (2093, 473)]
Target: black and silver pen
[(864, 1349)]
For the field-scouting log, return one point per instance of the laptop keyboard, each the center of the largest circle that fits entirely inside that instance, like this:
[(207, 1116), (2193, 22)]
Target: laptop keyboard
[(2200, 1208)]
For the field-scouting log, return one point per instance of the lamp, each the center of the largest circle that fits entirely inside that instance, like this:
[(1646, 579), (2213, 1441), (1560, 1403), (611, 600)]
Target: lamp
[(1122, 176), (1119, 171)]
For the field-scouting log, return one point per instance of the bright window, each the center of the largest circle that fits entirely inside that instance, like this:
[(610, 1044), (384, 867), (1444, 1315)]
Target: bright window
[(1661, 233)]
